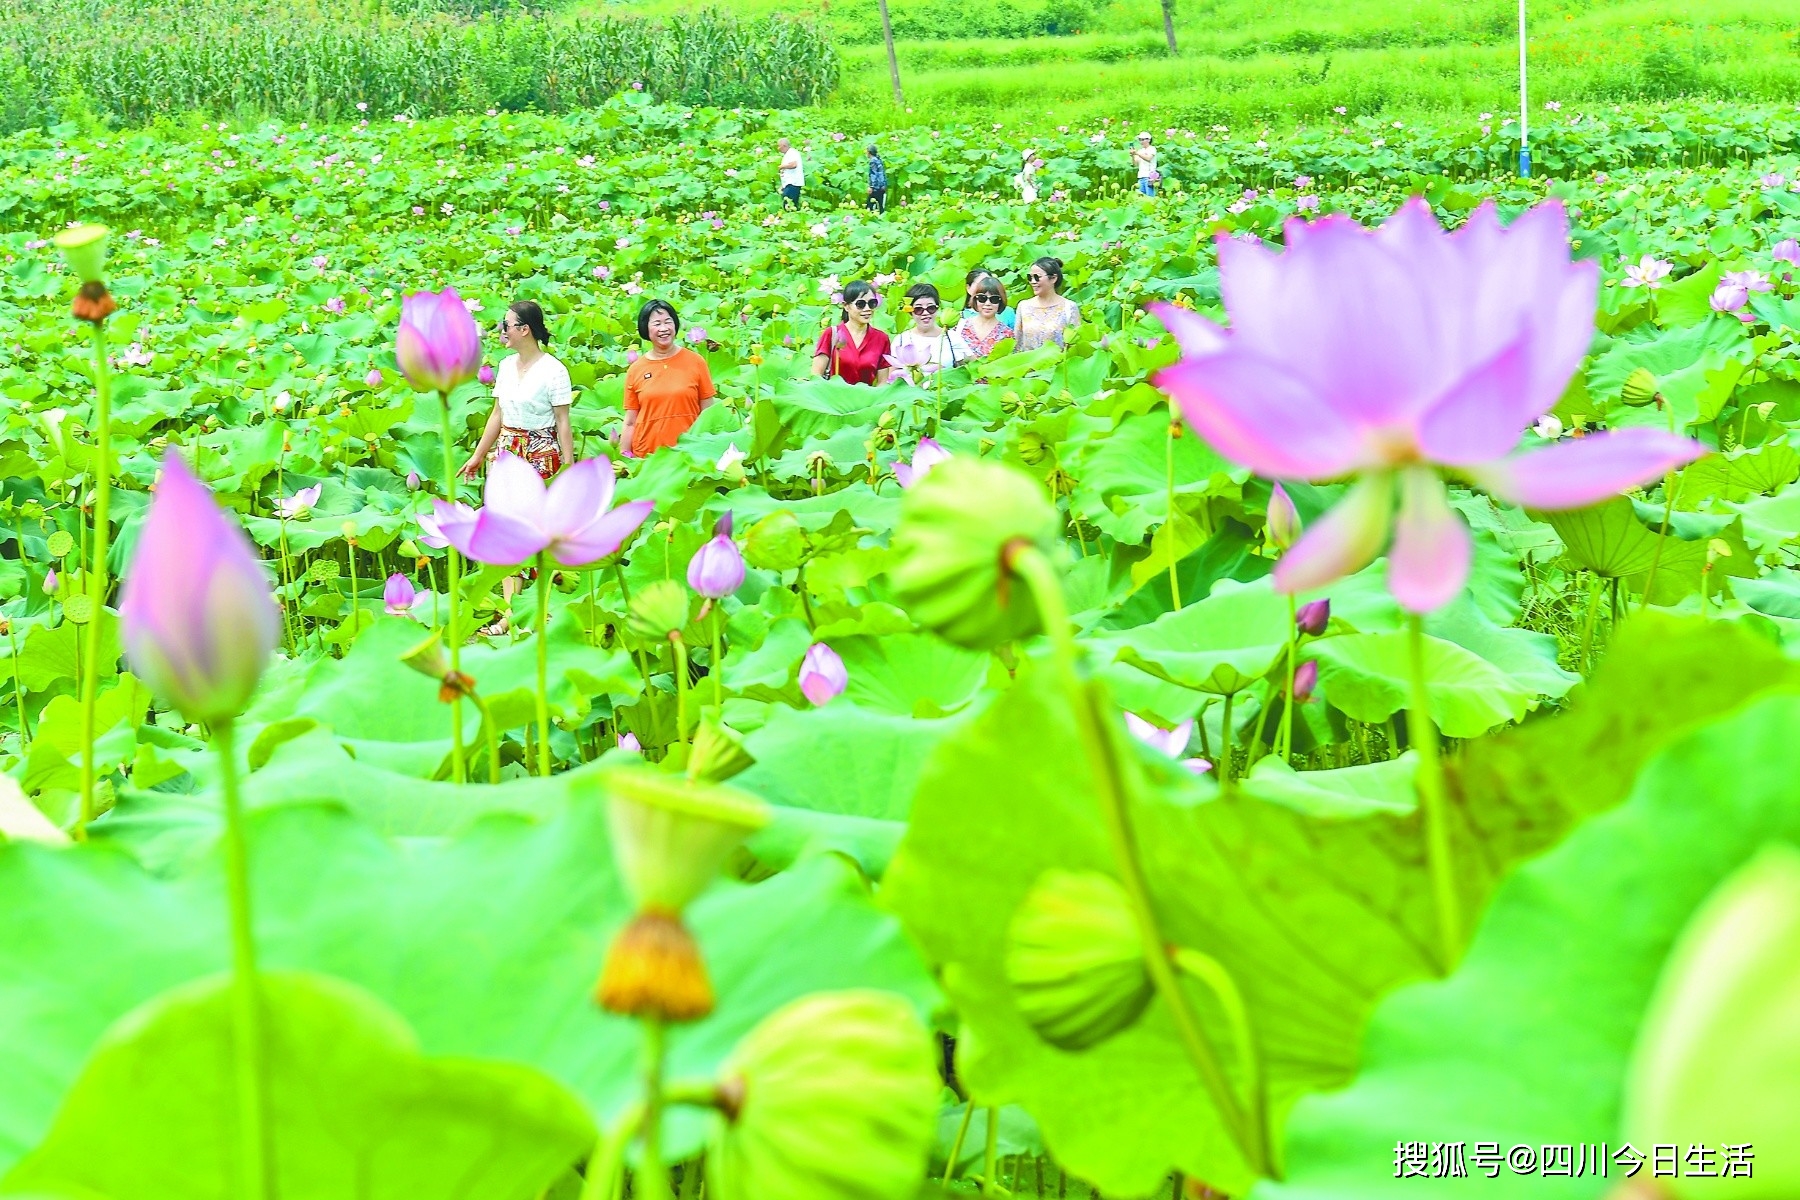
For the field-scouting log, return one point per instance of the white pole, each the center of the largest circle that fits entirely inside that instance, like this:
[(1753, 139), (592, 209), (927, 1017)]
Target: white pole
[(1524, 105)]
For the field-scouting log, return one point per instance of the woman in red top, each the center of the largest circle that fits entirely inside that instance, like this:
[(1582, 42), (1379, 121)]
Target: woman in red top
[(854, 350)]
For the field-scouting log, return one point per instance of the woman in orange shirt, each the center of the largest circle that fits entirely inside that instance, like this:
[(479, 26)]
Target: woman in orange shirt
[(665, 388)]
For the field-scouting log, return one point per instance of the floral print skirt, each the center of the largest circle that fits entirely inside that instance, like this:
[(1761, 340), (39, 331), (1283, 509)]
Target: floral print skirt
[(536, 446)]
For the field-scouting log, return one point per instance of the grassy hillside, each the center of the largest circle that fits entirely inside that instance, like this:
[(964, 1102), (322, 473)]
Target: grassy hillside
[(1247, 61)]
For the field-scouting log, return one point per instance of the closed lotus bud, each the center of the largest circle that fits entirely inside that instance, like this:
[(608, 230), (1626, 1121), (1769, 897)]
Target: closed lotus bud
[(84, 249), (823, 676), (1075, 959), (717, 568), (1306, 680), (1312, 618), (659, 610), (373, 378), (776, 543), (438, 346), (833, 1097), (486, 375), (198, 619), (412, 481), (959, 525), (1718, 1055), (1283, 525), (1640, 388)]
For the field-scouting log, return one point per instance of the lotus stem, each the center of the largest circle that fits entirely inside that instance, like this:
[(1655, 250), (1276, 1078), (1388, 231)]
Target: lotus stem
[(681, 687), (990, 1185), (604, 1176), (654, 1175), (453, 635), (718, 662), (543, 665), (1094, 722), (19, 689), (491, 735), (1226, 742), (96, 578), (962, 1131), (1219, 981), (1169, 455), (1423, 734), (250, 1059), (1287, 708)]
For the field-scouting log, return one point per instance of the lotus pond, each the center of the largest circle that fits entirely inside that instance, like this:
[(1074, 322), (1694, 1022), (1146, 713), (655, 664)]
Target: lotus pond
[(1329, 730)]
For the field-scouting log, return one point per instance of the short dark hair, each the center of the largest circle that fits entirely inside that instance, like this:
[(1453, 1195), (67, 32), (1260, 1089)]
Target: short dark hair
[(650, 309), (988, 282), (1052, 267), (926, 290), (531, 316), (974, 274)]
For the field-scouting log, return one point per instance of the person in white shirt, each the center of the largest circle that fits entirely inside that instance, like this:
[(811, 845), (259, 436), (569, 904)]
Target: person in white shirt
[(531, 414), (793, 173), (1026, 180), (926, 347), (1144, 155)]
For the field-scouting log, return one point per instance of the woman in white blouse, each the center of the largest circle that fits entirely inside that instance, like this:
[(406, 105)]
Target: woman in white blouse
[(530, 417), (925, 348), (531, 398)]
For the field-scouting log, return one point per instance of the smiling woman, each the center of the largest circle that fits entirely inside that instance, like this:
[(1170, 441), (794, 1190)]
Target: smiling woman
[(666, 387)]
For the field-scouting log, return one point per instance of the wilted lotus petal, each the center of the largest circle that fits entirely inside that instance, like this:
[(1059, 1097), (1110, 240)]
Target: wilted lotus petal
[(198, 620), (823, 676), (438, 346)]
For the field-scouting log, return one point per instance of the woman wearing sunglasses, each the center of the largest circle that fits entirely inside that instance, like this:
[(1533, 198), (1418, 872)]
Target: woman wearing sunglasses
[(854, 350), (531, 398), (925, 347), (1046, 315), (976, 274), (976, 335)]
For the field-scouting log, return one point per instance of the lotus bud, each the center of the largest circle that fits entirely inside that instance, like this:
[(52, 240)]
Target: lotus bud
[(373, 378), (629, 743), (412, 481), (1718, 1052), (438, 346), (670, 837), (1640, 388), (399, 595), (486, 375), (659, 610), (833, 1097), (51, 582), (1033, 449), (717, 568), (1306, 680), (84, 250), (1283, 523), (1312, 618), (959, 527), (776, 543), (823, 676), (198, 620), (1075, 959)]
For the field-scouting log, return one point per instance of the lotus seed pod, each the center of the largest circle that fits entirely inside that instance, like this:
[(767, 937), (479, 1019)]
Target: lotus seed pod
[(833, 1097), (671, 835), (1075, 959), (958, 526), (654, 969), (84, 249), (659, 610), (1718, 1055), (776, 543), (1033, 449), (1640, 388)]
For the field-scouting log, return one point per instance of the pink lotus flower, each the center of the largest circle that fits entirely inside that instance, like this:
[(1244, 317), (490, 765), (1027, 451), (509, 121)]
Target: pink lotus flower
[(399, 596), (373, 378), (1307, 204), (570, 520), (485, 375), (51, 582), (926, 455), (197, 618), (335, 304), (437, 524), (1773, 180), (822, 674), (1728, 298), (412, 481), (629, 743), (909, 356), (1423, 350), (1306, 680), (301, 503), (1787, 251), (1172, 742), (717, 568), (1648, 272), (438, 345), (1750, 281)]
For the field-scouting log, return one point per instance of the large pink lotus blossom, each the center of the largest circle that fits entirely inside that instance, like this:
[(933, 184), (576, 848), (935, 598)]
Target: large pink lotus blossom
[(438, 346), (1390, 356), (196, 614), (571, 520), (926, 455)]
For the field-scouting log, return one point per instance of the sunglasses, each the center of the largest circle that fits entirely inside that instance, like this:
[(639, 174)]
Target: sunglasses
[(986, 298), (506, 328), (866, 302), (924, 310), (1036, 278)]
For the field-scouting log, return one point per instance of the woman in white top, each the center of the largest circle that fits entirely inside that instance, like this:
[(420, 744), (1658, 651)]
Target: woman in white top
[(1144, 155), (530, 417), (531, 399), (1026, 179), (926, 347)]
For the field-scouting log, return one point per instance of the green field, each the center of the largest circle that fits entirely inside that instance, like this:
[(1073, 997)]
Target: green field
[(1242, 61)]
